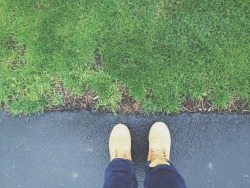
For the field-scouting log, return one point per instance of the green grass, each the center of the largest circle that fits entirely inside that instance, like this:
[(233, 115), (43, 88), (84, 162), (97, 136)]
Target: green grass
[(163, 51)]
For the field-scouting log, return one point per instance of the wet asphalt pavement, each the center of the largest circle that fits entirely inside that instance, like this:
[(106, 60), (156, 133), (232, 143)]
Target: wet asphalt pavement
[(70, 149)]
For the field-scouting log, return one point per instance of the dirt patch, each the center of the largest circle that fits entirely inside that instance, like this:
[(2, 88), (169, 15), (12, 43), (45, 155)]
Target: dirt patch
[(205, 105), (192, 105), (71, 101), (74, 102), (128, 105)]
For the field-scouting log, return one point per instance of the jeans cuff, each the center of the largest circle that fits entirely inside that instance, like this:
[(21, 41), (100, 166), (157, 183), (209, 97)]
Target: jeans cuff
[(170, 166)]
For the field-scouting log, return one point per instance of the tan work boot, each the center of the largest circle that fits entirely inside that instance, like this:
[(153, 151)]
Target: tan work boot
[(159, 144), (120, 143)]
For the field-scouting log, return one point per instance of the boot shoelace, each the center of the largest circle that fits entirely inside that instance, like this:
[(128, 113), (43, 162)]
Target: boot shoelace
[(124, 154), (157, 157)]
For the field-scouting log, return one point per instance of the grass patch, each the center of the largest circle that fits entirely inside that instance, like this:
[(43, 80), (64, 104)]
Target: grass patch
[(162, 51)]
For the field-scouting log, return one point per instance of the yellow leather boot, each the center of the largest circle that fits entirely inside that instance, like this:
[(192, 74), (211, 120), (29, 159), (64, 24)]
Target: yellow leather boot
[(120, 143), (159, 144)]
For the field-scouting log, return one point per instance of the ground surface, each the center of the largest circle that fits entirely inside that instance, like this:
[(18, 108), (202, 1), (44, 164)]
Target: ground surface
[(70, 149), (154, 55)]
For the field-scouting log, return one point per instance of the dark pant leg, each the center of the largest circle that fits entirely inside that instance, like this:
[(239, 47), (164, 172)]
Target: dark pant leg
[(120, 174), (163, 176)]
